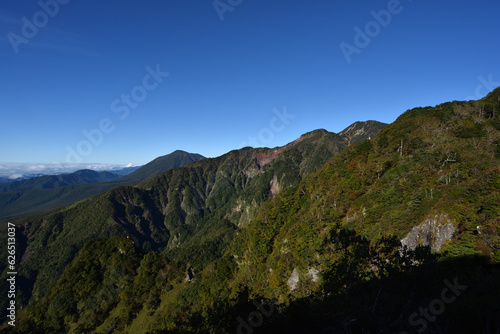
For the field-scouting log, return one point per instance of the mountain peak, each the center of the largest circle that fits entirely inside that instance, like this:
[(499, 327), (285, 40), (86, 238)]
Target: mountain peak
[(359, 131), (162, 164), (317, 131), (356, 132)]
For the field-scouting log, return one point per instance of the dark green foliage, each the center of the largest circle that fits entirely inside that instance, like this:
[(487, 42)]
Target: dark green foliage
[(104, 273), (88, 288), (207, 245), (497, 149), (470, 131), (362, 148)]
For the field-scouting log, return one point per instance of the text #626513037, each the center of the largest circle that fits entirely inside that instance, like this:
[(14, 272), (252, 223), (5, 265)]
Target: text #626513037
[(11, 274)]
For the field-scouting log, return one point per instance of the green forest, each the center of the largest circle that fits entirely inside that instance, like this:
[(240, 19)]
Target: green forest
[(214, 247)]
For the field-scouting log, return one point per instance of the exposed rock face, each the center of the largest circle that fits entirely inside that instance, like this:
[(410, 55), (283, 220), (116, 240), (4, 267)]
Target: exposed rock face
[(433, 232), (250, 172), (360, 130), (313, 274), (189, 275), (264, 159), (176, 241), (274, 186), (244, 210), (293, 280)]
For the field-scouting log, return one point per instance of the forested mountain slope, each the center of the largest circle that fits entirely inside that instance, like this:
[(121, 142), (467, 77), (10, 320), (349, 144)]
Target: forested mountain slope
[(317, 253), (190, 213)]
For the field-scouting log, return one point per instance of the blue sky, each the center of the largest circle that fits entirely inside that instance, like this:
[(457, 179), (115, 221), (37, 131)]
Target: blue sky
[(270, 71)]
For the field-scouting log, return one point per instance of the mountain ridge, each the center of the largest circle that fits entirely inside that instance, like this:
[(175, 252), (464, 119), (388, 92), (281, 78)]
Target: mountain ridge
[(314, 225), (179, 209), (158, 165), (319, 242), (17, 203)]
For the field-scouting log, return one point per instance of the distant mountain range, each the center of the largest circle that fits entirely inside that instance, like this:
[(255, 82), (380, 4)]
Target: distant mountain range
[(5, 180), (25, 197), (54, 181), (18, 171), (124, 171)]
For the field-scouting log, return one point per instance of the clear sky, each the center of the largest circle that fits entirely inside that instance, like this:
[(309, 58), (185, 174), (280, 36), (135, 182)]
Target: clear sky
[(267, 69)]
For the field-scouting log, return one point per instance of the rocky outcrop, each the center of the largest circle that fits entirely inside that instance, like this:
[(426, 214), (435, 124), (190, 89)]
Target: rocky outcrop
[(189, 275), (176, 241), (265, 158), (359, 131), (250, 172), (313, 274), (433, 232), (293, 281), (274, 186)]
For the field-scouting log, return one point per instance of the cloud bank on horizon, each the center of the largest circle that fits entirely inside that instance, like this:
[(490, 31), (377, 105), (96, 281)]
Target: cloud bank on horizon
[(17, 170)]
